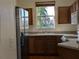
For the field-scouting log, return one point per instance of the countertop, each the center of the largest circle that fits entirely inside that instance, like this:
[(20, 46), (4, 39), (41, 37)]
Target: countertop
[(72, 44), (48, 34)]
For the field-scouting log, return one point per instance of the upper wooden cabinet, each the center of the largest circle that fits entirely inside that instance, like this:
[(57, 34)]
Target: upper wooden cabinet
[(75, 6), (69, 15), (78, 4), (30, 16), (64, 15), (74, 12)]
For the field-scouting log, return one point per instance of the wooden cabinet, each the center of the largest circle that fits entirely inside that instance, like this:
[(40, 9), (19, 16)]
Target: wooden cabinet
[(30, 16), (78, 4), (68, 53), (64, 15), (41, 45), (44, 46), (36, 44), (77, 7), (74, 7), (68, 15)]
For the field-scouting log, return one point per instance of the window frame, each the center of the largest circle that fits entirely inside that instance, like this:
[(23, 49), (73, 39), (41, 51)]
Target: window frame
[(44, 4), (24, 17), (18, 17)]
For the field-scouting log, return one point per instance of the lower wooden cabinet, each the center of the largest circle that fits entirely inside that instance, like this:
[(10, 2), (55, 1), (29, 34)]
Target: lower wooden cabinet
[(45, 45), (41, 45), (68, 53)]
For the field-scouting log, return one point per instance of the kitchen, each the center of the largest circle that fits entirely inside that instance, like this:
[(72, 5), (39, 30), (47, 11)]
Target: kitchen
[(51, 39), (39, 42)]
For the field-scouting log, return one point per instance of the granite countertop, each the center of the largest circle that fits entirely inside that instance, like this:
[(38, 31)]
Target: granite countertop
[(49, 33), (72, 44)]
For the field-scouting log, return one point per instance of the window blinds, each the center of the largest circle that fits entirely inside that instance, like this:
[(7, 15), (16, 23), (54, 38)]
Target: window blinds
[(46, 3)]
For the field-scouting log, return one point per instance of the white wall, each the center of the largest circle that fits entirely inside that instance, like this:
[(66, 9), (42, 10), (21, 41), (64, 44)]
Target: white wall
[(7, 30), (59, 27)]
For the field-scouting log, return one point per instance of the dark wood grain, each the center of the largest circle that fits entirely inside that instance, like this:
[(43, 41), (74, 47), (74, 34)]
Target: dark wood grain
[(66, 53), (64, 15), (43, 45), (40, 46)]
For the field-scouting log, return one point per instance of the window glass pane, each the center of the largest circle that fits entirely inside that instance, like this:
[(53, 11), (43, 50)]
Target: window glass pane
[(22, 21), (24, 18), (43, 11), (26, 22), (21, 12), (51, 10), (26, 13), (46, 22), (45, 17)]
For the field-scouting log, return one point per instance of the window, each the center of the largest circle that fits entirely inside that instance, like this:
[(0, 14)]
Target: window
[(24, 18), (45, 15)]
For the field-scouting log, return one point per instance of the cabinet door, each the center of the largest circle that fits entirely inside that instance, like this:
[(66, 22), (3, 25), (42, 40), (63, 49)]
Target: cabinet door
[(77, 4), (52, 46), (37, 44), (30, 16), (31, 44), (74, 6), (45, 45), (71, 8), (64, 15)]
